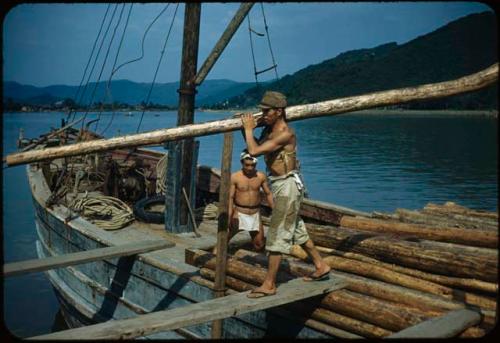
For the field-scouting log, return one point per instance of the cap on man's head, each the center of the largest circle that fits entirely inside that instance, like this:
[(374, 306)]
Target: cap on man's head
[(272, 99)]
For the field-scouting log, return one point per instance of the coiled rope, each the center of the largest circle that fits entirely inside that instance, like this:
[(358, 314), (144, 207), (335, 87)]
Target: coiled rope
[(209, 212), (161, 175), (107, 212)]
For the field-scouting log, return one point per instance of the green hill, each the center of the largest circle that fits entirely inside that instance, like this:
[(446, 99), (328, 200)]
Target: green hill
[(462, 47)]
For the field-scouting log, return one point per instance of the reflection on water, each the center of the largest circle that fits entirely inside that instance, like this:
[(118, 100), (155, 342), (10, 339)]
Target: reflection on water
[(366, 162)]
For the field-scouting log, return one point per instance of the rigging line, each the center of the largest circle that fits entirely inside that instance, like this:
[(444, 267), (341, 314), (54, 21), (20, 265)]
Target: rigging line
[(158, 66), (251, 49), (269, 41), (143, 39), (104, 63), (96, 57), (90, 58), (108, 84)]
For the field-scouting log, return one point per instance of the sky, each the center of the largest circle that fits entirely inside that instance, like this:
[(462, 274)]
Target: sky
[(50, 44)]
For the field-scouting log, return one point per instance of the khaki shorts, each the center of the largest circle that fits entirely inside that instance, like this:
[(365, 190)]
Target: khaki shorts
[(286, 227)]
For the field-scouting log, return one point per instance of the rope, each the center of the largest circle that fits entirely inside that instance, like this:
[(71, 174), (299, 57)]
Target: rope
[(161, 175), (108, 84), (157, 68), (88, 62), (269, 41), (143, 39), (107, 212), (251, 49), (250, 31), (104, 63), (95, 60), (209, 212)]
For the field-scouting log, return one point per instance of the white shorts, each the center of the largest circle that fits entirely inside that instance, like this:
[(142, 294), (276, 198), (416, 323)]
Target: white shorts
[(249, 222)]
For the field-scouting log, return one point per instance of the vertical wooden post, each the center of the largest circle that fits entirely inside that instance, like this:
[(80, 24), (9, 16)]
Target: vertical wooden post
[(187, 91), (222, 228)]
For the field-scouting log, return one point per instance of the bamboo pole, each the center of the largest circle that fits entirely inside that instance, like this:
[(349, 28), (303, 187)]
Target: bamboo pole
[(231, 28), (332, 107), (222, 227)]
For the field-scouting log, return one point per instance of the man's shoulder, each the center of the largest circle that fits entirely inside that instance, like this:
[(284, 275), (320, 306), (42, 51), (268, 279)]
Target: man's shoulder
[(261, 175)]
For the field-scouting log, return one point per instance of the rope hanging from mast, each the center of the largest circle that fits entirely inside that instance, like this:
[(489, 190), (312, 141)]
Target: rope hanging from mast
[(87, 66), (108, 90), (104, 62), (158, 67), (252, 31)]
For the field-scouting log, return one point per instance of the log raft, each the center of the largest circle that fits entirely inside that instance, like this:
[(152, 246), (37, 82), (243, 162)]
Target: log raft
[(398, 278)]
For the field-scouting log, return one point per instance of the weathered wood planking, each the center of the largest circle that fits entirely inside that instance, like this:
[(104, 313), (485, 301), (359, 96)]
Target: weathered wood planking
[(38, 265), (218, 308), (448, 325)]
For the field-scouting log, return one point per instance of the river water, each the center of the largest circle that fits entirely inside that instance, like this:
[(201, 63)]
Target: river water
[(368, 162)]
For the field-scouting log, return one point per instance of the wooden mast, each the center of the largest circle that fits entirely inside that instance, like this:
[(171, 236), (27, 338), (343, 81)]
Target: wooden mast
[(187, 91)]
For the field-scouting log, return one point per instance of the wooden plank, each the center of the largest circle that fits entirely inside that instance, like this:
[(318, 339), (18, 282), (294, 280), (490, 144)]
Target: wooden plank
[(448, 325), (218, 308), (38, 265)]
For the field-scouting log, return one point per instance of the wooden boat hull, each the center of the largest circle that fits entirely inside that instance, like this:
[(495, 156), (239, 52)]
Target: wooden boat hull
[(125, 287)]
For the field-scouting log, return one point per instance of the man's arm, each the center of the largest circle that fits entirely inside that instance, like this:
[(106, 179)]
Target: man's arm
[(267, 191), (269, 145)]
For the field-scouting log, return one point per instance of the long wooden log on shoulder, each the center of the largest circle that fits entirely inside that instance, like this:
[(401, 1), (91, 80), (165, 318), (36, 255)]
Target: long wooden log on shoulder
[(331, 107), (478, 238)]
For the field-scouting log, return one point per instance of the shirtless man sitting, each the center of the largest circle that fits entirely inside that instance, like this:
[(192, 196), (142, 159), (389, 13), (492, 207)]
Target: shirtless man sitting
[(244, 200)]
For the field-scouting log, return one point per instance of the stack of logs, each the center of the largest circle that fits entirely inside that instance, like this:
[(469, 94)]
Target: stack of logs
[(401, 268)]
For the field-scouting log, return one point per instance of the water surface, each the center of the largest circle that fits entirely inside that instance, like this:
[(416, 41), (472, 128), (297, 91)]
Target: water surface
[(363, 161)]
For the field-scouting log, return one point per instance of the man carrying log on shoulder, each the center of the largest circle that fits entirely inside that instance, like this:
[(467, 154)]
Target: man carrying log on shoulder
[(278, 145)]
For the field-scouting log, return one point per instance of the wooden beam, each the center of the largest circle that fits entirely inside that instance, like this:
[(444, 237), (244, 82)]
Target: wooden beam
[(219, 47), (332, 107), (38, 265), (219, 308), (223, 227), (449, 325), (187, 93)]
